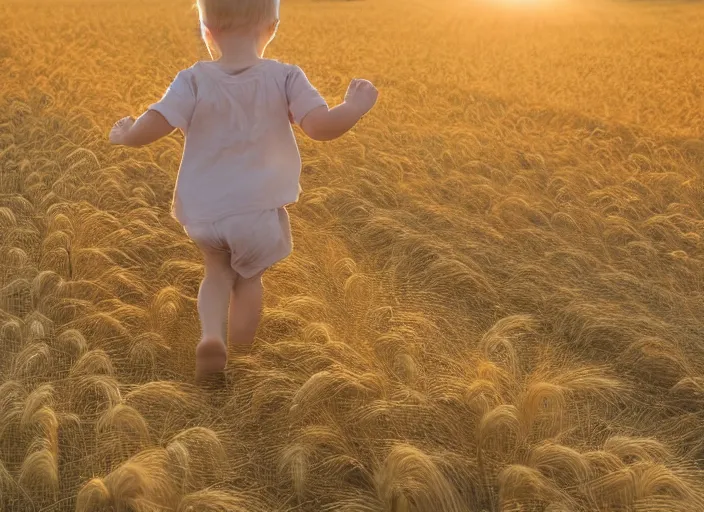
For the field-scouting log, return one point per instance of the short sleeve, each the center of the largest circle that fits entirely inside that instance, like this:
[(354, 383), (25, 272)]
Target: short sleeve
[(302, 96), (178, 102)]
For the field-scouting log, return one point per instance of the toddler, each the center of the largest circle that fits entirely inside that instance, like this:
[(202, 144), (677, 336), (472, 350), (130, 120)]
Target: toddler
[(240, 165)]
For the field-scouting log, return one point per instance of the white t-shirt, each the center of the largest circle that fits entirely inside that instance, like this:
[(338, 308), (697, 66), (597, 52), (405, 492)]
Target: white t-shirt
[(240, 153)]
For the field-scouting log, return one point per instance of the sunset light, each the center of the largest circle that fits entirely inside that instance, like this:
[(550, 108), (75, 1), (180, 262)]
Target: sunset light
[(351, 255)]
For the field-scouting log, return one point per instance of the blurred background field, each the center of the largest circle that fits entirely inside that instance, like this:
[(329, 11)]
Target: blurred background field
[(496, 295)]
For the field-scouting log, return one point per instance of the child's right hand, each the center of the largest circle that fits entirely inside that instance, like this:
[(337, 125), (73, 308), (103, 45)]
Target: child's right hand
[(362, 94), (120, 129)]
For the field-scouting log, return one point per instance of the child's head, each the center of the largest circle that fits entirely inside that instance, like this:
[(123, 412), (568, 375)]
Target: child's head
[(258, 18)]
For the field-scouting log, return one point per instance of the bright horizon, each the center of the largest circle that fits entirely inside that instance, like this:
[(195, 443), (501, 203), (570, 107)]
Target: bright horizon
[(493, 298)]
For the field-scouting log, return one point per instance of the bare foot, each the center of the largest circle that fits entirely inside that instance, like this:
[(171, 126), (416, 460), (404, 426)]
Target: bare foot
[(211, 358)]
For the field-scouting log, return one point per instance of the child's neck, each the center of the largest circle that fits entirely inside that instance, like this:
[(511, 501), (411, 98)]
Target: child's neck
[(238, 51)]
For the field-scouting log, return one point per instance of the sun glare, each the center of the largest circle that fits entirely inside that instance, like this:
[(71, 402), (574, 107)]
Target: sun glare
[(522, 4)]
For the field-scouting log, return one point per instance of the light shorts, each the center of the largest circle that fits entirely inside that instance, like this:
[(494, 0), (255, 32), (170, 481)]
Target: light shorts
[(255, 241)]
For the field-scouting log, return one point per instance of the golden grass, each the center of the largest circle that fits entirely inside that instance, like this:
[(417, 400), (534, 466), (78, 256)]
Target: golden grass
[(494, 301)]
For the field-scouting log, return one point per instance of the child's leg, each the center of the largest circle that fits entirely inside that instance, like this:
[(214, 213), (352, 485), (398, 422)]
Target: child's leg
[(246, 298), (260, 240), (213, 299)]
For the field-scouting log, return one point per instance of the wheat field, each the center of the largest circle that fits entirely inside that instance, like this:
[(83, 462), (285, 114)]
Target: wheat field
[(495, 300)]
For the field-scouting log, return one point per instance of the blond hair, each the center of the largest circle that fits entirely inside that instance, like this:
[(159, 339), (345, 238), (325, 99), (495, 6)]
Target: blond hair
[(222, 15), (225, 15)]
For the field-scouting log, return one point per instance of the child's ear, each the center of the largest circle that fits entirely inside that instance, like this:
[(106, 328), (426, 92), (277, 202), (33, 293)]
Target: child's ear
[(210, 42)]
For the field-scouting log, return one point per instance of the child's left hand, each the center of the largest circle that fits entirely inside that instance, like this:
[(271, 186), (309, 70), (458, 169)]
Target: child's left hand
[(120, 129)]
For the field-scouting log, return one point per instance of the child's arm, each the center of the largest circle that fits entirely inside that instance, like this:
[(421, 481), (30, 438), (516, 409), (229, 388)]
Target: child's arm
[(173, 110), (325, 124), (310, 111), (149, 127)]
